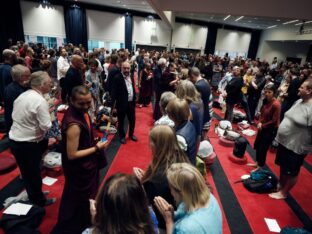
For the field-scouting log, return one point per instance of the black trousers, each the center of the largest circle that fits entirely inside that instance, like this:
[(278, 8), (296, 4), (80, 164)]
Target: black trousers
[(262, 144), (129, 111), (28, 156)]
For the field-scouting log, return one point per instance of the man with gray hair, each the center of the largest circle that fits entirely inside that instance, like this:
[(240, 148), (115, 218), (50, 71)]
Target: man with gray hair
[(157, 76), (31, 121), (9, 57), (21, 76)]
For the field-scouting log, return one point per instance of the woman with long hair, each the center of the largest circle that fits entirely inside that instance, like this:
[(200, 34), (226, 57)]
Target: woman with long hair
[(179, 112), (186, 90), (198, 210), (165, 151), (121, 208)]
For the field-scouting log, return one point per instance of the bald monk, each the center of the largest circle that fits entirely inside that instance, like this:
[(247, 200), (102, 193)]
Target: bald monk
[(82, 158), (73, 76)]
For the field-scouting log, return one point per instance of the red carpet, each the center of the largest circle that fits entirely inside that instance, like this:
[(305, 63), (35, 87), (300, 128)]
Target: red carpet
[(255, 207), (135, 154)]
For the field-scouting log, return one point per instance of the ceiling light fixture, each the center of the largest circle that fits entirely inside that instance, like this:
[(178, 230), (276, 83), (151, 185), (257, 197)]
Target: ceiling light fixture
[(239, 18), (290, 22), (273, 26), (118, 1), (278, 20), (307, 22), (227, 17)]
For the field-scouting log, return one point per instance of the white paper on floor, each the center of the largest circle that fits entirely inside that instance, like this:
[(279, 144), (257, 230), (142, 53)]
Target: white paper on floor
[(272, 225), (18, 209), (48, 180)]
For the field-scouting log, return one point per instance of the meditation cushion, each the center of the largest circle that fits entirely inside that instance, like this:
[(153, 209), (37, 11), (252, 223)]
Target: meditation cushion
[(7, 162), (225, 142), (234, 159), (209, 160)]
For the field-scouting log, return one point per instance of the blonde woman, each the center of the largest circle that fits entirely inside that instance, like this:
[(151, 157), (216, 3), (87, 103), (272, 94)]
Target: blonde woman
[(198, 211), (165, 151), (187, 91)]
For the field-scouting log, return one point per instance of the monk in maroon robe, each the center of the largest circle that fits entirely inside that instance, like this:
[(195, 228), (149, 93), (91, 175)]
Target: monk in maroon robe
[(82, 158)]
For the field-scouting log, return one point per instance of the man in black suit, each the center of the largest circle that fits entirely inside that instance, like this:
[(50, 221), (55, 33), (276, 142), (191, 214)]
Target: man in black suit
[(233, 93), (73, 75), (123, 93)]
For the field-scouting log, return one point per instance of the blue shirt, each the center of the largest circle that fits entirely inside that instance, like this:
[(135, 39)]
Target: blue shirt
[(202, 221)]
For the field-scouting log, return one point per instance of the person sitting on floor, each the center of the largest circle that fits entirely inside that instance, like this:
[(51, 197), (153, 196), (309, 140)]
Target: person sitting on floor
[(121, 207), (165, 151), (198, 210)]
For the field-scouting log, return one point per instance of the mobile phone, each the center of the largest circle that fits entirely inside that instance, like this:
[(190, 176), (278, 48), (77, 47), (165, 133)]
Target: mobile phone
[(103, 139)]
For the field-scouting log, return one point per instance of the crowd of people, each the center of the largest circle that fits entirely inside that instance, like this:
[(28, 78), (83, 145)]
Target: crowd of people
[(276, 97)]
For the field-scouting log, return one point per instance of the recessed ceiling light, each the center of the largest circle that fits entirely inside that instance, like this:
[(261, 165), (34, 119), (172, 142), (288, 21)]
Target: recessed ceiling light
[(124, 5), (278, 20), (290, 22), (249, 21), (273, 26), (118, 1), (255, 18), (227, 17), (239, 18)]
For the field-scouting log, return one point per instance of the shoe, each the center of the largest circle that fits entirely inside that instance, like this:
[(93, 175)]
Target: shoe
[(50, 201), (122, 140), (133, 138)]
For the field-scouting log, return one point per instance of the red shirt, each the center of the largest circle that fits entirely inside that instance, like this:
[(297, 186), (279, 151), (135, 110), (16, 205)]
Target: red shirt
[(270, 114)]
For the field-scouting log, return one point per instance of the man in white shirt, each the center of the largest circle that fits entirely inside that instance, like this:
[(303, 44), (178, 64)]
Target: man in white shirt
[(62, 67), (123, 93), (31, 121)]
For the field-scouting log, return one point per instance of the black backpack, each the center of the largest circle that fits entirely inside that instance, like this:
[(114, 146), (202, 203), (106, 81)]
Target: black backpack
[(240, 147), (261, 181)]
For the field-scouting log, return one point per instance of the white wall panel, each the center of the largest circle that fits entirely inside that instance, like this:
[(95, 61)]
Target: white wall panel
[(282, 50), (232, 41), (150, 32), (105, 26), (189, 36), (41, 20)]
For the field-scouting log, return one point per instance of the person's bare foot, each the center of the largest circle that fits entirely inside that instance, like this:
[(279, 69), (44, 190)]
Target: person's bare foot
[(278, 195)]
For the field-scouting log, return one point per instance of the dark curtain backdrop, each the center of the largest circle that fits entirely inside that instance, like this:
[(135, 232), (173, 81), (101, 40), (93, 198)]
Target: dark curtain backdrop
[(254, 44), (76, 25), (128, 31), (11, 24), (211, 39)]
